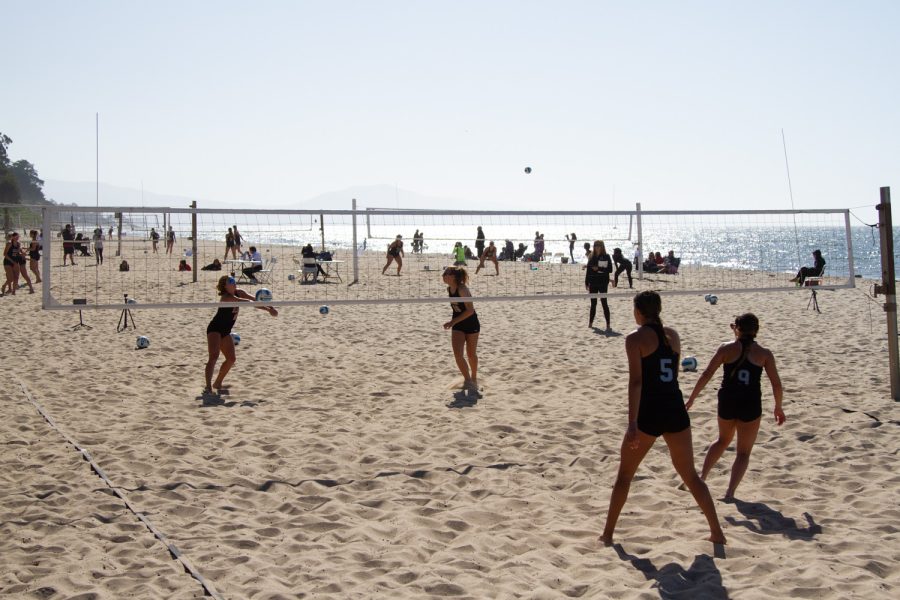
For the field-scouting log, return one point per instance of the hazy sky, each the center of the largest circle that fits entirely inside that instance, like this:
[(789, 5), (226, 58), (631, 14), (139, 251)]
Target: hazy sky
[(671, 104)]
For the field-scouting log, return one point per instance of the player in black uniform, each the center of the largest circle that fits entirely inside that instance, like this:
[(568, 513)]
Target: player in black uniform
[(622, 264), (218, 332), (596, 279), (395, 253), (656, 407), (464, 326), (740, 396)]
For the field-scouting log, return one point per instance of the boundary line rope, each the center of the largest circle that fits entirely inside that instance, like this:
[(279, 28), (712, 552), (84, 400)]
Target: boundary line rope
[(172, 548)]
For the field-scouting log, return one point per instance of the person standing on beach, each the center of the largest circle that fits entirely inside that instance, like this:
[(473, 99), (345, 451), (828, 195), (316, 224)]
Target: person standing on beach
[(395, 253), (479, 242), (238, 239), (34, 255), (572, 239), (656, 408), (68, 236), (622, 264), (170, 240), (490, 253), (218, 332), (98, 246), (229, 244), (154, 238), (596, 280), (740, 396), (464, 326)]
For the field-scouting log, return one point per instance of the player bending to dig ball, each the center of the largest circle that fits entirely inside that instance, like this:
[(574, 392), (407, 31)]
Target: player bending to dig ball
[(656, 408), (740, 396), (218, 332)]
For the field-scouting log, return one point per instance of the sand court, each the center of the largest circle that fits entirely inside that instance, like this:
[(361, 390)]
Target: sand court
[(334, 467)]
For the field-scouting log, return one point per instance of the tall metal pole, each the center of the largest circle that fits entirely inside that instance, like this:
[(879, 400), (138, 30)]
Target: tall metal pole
[(640, 256), (97, 163), (322, 230), (355, 247), (194, 239), (888, 286)]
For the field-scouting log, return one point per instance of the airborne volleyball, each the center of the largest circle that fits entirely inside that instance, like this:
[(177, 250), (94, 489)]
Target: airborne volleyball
[(263, 295)]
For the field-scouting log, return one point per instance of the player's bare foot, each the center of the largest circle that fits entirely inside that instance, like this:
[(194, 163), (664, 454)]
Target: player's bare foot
[(717, 538), (606, 540)]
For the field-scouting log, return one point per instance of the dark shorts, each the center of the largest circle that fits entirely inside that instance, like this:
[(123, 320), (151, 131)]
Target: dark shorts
[(221, 329), (470, 325), (67, 250), (659, 415), (7, 262), (744, 409)]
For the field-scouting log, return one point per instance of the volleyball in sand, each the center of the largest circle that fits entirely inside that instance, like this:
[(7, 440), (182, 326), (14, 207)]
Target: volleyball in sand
[(689, 363), (143, 342), (236, 337), (323, 310)]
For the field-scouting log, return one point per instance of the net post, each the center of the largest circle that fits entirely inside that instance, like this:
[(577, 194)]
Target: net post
[(194, 239), (355, 246), (888, 287), (851, 277), (119, 234), (45, 256), (640, 243), (322, 230)]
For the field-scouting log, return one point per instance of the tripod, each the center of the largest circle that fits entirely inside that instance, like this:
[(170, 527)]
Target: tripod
[(814, 302), (81, 323), (124, 317)]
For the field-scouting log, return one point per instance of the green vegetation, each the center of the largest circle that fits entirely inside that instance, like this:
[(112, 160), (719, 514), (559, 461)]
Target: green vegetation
[(19, 185)]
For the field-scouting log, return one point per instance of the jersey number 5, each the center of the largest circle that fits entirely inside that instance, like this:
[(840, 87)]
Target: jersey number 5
[(665, 370)]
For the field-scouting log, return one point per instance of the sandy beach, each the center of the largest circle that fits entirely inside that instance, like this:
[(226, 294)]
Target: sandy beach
[(343, 463)]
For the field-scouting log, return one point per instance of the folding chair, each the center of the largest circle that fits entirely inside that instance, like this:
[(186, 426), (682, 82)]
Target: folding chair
[(265, 276), (310, 267)]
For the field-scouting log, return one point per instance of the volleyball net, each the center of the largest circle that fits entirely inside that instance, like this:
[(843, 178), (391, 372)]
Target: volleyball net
[(541, 254)]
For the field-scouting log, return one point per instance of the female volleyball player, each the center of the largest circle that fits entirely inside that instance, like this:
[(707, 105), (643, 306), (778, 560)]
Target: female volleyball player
[(395, 252), (656, 408), (34, 255), (489, 253), (740, 396), (596, 279), (218, 332), (464, 326)]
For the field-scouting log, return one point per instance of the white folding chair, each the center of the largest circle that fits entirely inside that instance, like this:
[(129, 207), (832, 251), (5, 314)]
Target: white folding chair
[(310, 267)]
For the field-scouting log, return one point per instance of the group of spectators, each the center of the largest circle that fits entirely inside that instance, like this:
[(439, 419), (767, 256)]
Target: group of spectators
[(656, 263)]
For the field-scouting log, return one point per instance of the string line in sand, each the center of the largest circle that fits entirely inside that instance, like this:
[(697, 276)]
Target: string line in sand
[(172, 548)]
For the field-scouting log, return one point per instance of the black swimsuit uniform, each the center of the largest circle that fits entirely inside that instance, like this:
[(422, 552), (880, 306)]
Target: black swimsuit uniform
[(467, 325), (596, 279), (662, 404), (223, 321), (36, 253), (13, 255), (740, 396)]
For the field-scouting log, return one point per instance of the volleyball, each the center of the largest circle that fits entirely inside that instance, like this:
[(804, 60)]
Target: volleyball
[(263, 295), (706, 297), (131, 301), (292, 277), (236, 337), (689, 363), (323, 310), (713, 299), (143, 342), (527, 170)]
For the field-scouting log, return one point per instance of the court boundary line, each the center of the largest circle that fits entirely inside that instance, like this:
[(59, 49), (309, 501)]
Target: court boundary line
[(173, 550)]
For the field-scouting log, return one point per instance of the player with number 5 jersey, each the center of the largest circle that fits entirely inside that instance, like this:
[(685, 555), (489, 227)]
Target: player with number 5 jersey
[(656, 408), (743, 361)]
